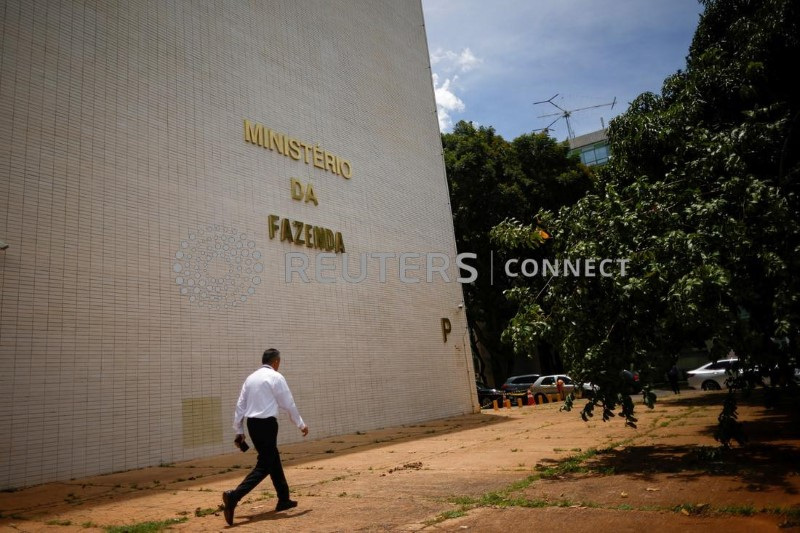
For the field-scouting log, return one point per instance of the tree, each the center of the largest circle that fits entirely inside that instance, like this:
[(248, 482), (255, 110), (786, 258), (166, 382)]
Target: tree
[(491, 179), (701, 196)]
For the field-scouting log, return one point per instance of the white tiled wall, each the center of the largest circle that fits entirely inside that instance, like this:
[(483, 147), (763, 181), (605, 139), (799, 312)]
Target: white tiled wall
[(122, 151)]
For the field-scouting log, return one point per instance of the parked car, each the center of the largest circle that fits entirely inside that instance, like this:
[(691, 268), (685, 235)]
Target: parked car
[(516, 387), (549, 385), (519, 383), (712, 376), (487, 395)]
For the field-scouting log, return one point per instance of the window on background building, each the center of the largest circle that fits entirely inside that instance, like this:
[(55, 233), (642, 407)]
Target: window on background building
[(601, 154), (588, 157), (594, 154)]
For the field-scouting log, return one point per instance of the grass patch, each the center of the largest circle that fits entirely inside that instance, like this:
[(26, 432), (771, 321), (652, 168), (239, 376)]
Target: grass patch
[(503, 499), (691, 509), (740, 510), (447, 515), (571, 465), (58, 523), (463, 500), (146, 527), (791, 512), (493, 499), (534, 504), (735, 510), (207, 511)]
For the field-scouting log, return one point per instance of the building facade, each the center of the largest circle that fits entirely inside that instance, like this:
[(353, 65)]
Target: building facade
[(184, 184), (592, 148)]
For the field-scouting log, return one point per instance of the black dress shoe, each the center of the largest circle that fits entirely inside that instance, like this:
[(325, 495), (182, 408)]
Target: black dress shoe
[(230, 505), (286, 504)]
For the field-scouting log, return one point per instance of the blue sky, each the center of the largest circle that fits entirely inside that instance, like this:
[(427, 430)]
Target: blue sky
[(492, 59)]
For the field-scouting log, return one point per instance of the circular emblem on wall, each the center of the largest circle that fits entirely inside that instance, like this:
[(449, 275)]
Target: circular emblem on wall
[(217, 267)]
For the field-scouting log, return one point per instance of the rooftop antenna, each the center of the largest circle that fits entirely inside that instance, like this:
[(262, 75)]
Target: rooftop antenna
[(566, 113)]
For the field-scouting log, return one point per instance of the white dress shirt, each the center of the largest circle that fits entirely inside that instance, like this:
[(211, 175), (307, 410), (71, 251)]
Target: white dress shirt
[(263, 392)]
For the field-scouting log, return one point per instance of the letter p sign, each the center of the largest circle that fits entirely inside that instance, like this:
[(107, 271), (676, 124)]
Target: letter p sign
[(447, 327)]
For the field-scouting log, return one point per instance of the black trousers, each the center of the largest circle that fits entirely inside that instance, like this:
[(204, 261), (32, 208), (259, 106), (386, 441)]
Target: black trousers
[(264, 434)]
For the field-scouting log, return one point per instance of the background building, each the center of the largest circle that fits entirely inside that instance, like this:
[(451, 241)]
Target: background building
[(145, 272), (592, 147)]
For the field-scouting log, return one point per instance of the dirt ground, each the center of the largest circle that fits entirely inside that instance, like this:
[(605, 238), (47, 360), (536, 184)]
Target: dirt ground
[(524, 469)]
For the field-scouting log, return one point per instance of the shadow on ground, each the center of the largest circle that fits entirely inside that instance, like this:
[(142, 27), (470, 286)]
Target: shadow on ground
[(766, 460), (778, 397), (759, 466), (269, 516), (195, 475)]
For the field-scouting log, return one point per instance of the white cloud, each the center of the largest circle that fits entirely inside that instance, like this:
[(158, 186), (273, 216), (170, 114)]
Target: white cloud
[(446, 101), (451, 64), (450, 61)]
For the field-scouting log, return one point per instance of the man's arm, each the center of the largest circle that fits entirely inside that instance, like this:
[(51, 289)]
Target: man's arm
[(238, 415), (286, 402)]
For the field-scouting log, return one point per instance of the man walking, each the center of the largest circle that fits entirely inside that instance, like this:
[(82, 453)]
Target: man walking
[(263, 392), (673, 374)]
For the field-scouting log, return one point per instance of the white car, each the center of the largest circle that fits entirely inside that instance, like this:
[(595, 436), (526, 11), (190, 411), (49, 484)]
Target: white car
[(711, 376)]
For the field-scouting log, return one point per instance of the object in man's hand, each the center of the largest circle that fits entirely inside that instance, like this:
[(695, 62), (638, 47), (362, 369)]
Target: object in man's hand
[(243, 445)]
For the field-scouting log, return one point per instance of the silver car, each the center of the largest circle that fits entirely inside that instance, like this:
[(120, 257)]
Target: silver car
[(711, 376), (549, 385)]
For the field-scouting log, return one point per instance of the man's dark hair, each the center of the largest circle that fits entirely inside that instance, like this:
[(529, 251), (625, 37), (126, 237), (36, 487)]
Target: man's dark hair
[(269, 355)]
